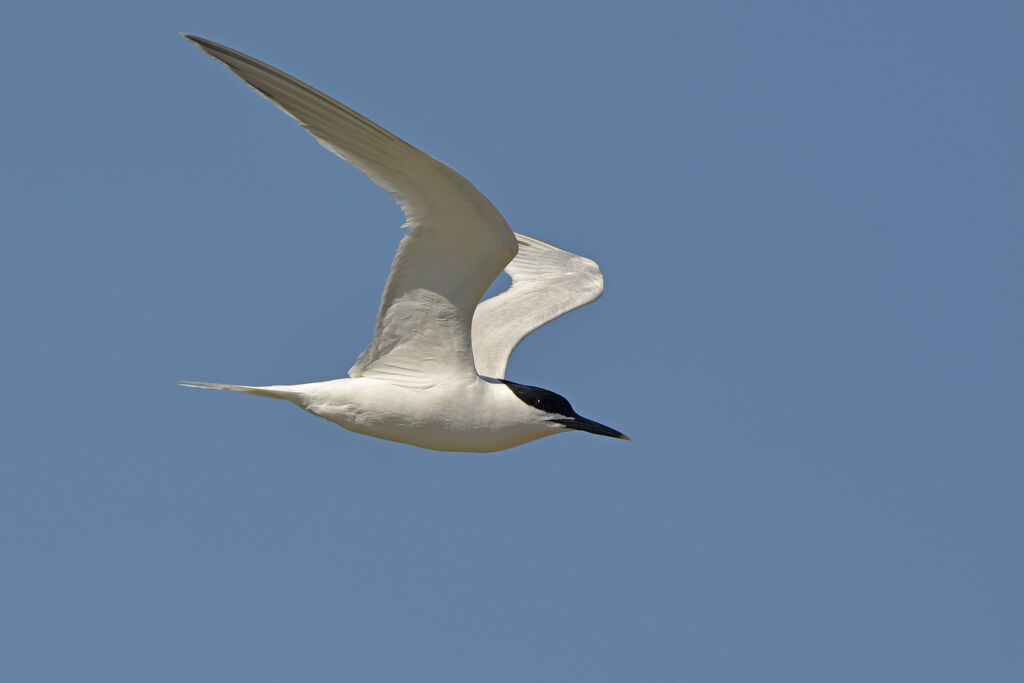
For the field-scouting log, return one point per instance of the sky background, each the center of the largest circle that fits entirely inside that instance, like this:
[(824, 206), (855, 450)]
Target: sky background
[(809, 219)]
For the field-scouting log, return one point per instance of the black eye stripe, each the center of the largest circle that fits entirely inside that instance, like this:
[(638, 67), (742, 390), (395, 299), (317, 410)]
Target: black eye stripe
[(541, 399)]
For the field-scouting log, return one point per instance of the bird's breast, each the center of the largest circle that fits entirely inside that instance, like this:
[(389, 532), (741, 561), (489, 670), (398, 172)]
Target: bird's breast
[(449, 416)]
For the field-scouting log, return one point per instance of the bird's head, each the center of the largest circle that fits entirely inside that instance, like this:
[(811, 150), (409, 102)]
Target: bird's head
[(559, 412)]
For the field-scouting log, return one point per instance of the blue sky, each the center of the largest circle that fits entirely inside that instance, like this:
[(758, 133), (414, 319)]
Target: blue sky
[(809, 220)]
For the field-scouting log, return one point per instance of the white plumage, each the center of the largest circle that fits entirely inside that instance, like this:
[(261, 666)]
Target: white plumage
[(547, 282)]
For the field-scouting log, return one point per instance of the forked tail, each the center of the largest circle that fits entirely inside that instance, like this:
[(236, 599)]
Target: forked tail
[(287, 393)]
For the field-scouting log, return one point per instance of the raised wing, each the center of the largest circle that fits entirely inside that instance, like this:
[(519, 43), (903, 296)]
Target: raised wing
[(546, 282), (456, 245)]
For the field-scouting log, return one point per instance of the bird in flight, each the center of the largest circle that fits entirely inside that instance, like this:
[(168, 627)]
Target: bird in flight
[(433, 376)]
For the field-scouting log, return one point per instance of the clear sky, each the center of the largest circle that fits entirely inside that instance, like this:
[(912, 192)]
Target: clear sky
[(809, 219)]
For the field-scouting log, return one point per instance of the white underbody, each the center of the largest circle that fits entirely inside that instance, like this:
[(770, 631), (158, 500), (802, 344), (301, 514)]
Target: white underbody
[(456, 415)]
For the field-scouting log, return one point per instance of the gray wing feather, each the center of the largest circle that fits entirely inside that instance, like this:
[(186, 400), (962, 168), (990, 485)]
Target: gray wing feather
[(456, 245), (547, 282)]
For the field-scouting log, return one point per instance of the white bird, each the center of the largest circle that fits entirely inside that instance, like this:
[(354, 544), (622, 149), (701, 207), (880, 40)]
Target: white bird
[(433, 376)]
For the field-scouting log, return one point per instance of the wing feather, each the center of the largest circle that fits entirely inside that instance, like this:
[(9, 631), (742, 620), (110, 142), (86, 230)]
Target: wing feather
[(547, 282), (456, 245)]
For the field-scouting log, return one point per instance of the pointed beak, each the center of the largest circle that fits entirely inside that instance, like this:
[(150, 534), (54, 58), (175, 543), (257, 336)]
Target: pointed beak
[(585, 425)]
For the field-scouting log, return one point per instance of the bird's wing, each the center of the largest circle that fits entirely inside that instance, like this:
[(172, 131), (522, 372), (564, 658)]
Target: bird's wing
[(457, 242), (546, 282)]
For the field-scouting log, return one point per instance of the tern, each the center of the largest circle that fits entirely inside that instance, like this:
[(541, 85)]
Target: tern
[(434, 374)]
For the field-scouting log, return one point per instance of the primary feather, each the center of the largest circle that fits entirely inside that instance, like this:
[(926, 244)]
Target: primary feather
[(456, 245)]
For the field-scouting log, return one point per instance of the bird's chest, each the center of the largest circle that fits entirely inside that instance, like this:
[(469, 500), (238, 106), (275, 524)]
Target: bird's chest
[(446, 418)]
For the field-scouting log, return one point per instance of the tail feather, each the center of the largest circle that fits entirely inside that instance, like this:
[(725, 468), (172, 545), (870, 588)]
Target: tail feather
[(287, 393)]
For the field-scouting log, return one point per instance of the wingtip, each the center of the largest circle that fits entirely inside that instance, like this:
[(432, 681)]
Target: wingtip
[(200, 42)]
